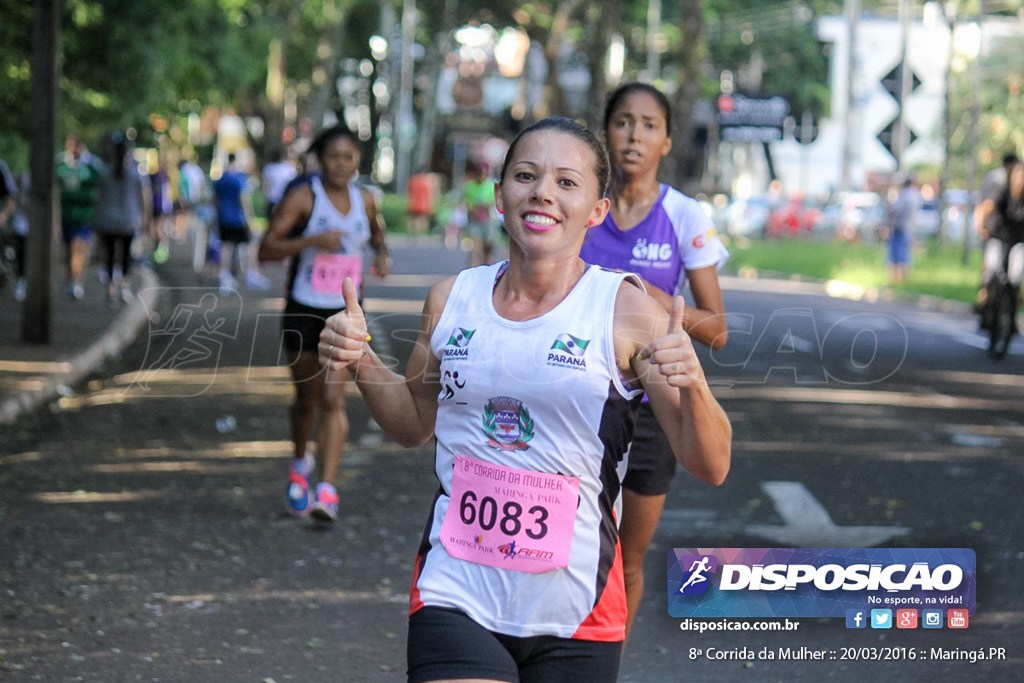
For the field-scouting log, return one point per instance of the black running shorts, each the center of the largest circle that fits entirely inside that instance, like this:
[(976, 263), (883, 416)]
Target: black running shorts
[(301, 326), (651, 463), (236, 234), (447, 644)]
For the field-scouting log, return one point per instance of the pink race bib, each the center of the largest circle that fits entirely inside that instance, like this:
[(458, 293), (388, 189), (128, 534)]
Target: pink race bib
[(509, 518), (330, 271)]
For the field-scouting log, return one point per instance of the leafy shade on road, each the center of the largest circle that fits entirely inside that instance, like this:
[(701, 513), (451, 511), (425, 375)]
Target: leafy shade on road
[(935, 271)]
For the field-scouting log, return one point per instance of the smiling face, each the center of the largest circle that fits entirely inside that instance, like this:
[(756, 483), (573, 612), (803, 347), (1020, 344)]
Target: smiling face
[(637, 133), (549, 192)]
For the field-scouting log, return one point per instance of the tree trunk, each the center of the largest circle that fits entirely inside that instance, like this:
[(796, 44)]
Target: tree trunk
[(36, 313), (602, 21), (552, 50), (675, 169), (274, 119), (328, 66), (434, 64), (274, 116)]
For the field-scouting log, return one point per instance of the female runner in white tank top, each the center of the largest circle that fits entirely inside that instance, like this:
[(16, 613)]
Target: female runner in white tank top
[(323, 222), (518, 576)]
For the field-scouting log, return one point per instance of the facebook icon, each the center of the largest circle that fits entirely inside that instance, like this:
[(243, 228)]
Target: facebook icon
[(856, 618)]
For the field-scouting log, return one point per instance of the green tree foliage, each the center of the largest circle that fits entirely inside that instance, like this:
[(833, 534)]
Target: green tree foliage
[(15, 71), (127, 60), (771, 49), (1000, 106), (127, 63)]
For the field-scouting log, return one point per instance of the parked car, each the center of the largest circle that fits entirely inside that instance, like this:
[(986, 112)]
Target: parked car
[(853, 216), (796, 217), (746, 217), (958, 216), (927, 220)]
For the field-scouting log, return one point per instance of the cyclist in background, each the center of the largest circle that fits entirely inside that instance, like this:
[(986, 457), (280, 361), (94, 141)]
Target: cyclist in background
[(999, 221)]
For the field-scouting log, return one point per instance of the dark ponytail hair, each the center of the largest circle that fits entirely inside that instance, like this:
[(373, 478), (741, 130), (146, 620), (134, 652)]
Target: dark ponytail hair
[(119, 153)]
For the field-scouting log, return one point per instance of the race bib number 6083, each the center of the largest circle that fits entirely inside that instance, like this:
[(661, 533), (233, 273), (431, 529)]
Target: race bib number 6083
[(509, 518)]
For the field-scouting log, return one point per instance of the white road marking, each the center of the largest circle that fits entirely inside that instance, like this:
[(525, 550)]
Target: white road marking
[(976, 440), (806, 523)]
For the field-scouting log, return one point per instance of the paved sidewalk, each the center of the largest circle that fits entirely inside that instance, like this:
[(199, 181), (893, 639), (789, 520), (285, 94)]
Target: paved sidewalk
[(84, 334)]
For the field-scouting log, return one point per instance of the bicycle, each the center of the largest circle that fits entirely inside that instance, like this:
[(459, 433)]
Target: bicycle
[(999, 314)]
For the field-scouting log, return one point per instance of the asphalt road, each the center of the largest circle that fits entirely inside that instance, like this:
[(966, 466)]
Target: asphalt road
[(142, 534), (885, 423)]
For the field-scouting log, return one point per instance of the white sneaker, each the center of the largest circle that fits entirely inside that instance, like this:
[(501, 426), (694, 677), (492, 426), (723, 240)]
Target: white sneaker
[(227, 283), (257, 282)]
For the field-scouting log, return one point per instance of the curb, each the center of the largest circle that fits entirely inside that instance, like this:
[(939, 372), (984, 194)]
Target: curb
[(849, 290), (119, 335)]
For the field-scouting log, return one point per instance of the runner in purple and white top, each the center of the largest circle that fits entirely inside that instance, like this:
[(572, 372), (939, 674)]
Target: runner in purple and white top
[(666, 237), (676, 236)]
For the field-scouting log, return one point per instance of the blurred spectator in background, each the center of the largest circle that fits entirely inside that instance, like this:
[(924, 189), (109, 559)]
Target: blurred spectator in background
[(14, 222), (234, 216), (276, 176), (901, 214), (8, 195), (10, 233), (420, 206), (191, 182), (78, 174), (121, 211), (478, 197), (162, 209)]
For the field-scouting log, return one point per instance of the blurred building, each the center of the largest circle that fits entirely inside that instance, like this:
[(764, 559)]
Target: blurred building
[(817, 168)]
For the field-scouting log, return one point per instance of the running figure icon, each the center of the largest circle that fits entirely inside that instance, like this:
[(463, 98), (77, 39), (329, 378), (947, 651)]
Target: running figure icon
[(696, 570), (192, 339)]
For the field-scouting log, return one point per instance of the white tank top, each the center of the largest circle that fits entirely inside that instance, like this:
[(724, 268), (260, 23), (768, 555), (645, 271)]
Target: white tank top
[(542, 395), (355, 230)]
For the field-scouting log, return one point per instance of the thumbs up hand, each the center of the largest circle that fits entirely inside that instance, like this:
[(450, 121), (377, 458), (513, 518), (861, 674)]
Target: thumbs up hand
[(673, 354), (344, 337)]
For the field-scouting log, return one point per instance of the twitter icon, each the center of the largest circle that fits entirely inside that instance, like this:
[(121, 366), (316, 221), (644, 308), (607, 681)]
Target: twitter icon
[(881, 618)]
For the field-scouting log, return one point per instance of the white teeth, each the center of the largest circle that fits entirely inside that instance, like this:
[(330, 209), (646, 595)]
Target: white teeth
[(540, 220)]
